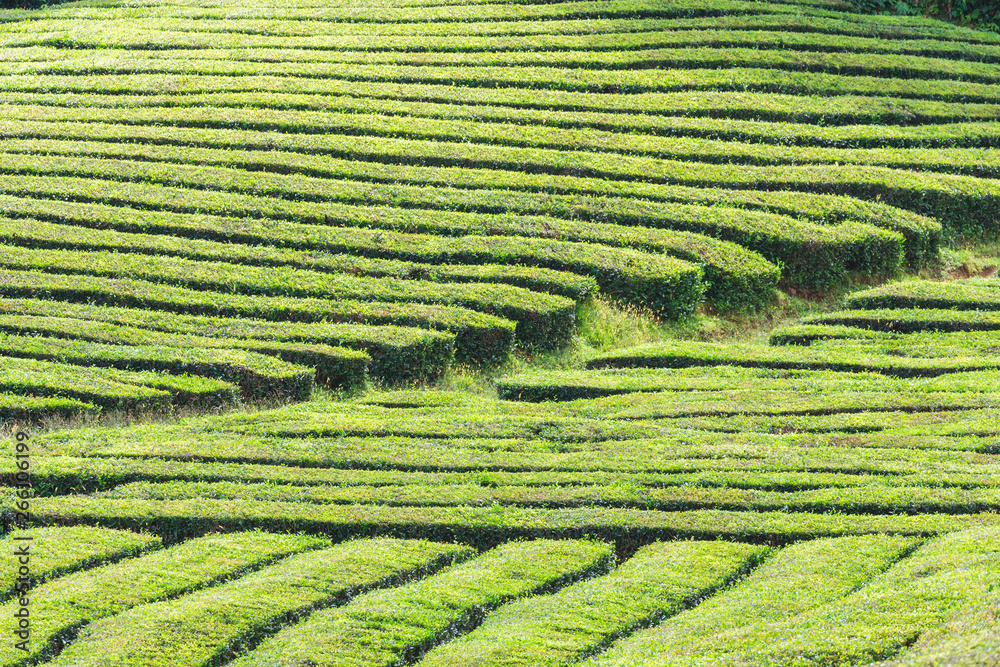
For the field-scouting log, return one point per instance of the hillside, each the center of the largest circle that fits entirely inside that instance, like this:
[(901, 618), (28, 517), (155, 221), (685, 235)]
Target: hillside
[(365, 335), (456, 178)]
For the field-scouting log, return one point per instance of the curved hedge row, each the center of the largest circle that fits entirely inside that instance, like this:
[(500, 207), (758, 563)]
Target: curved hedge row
[(949, 148), (752, 278), (483, 526), (577, 384), (607, 61), (335, 367), (853, 500), (934, 146), (560, 108), (776, 237), (191, 177), (543, 320), (66, 550), (718, 33), (258, 376), (84, 386), (914, 320), (399, 354), (684, 354), (921, 294), (309, 78), (886, 33), (458, 12)]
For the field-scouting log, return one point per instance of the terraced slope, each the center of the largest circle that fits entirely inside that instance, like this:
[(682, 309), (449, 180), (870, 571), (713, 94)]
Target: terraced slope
[(878, 431), (422, 184), (223, 600), (204, 204), (834, 494)]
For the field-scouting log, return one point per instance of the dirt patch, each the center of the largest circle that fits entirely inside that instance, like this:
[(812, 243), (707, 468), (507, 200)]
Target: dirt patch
[(963, 273), (807, 294)]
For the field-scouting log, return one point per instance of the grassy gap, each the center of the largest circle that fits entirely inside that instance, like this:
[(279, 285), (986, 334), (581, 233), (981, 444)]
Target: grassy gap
[(965, 258), (604, 325)]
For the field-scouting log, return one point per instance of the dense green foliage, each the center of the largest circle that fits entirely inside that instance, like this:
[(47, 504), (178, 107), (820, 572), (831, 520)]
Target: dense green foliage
[(478, 169), (984, 14), (146, 635), (393, 334), (71, 601), (63, 550), (843, 478), (576, 621), (385, 627)]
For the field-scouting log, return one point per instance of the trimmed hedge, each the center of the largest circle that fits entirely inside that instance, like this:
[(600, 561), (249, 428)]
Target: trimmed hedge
[(543, 320), (496, 145), (562, 628), (955, 148), (563, 108), (462, 13), (795, 580), (223, 618), (391, 626), (185, 390), (922, 234), (678, 354), (967, 639), (766, 401), (806, 334), (881, 618), (70, 390), (806, 19), (258, 376), (652, 461), (627, 274), (399, 354), (980, 424), (748, 402), (630, 277), (61, 551), (542, 385), (948, 198), (69, 602), (790, 31), (932, 486), (861, 499), (29, 410), (913, 321), (484, 526), (613, 63), (925, 294), (375, 116), (38, 234), (551, 435), (129, 75), (933, 336), (779, 238), (73, 389), (334, 366), (980, 344), (490, 419)]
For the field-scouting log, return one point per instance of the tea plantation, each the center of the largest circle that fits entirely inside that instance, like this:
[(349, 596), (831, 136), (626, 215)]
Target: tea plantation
[(291, 302)]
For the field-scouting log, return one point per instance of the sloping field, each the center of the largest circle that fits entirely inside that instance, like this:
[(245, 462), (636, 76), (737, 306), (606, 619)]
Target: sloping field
[(418, 184), (206, 205), (831, 499)]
